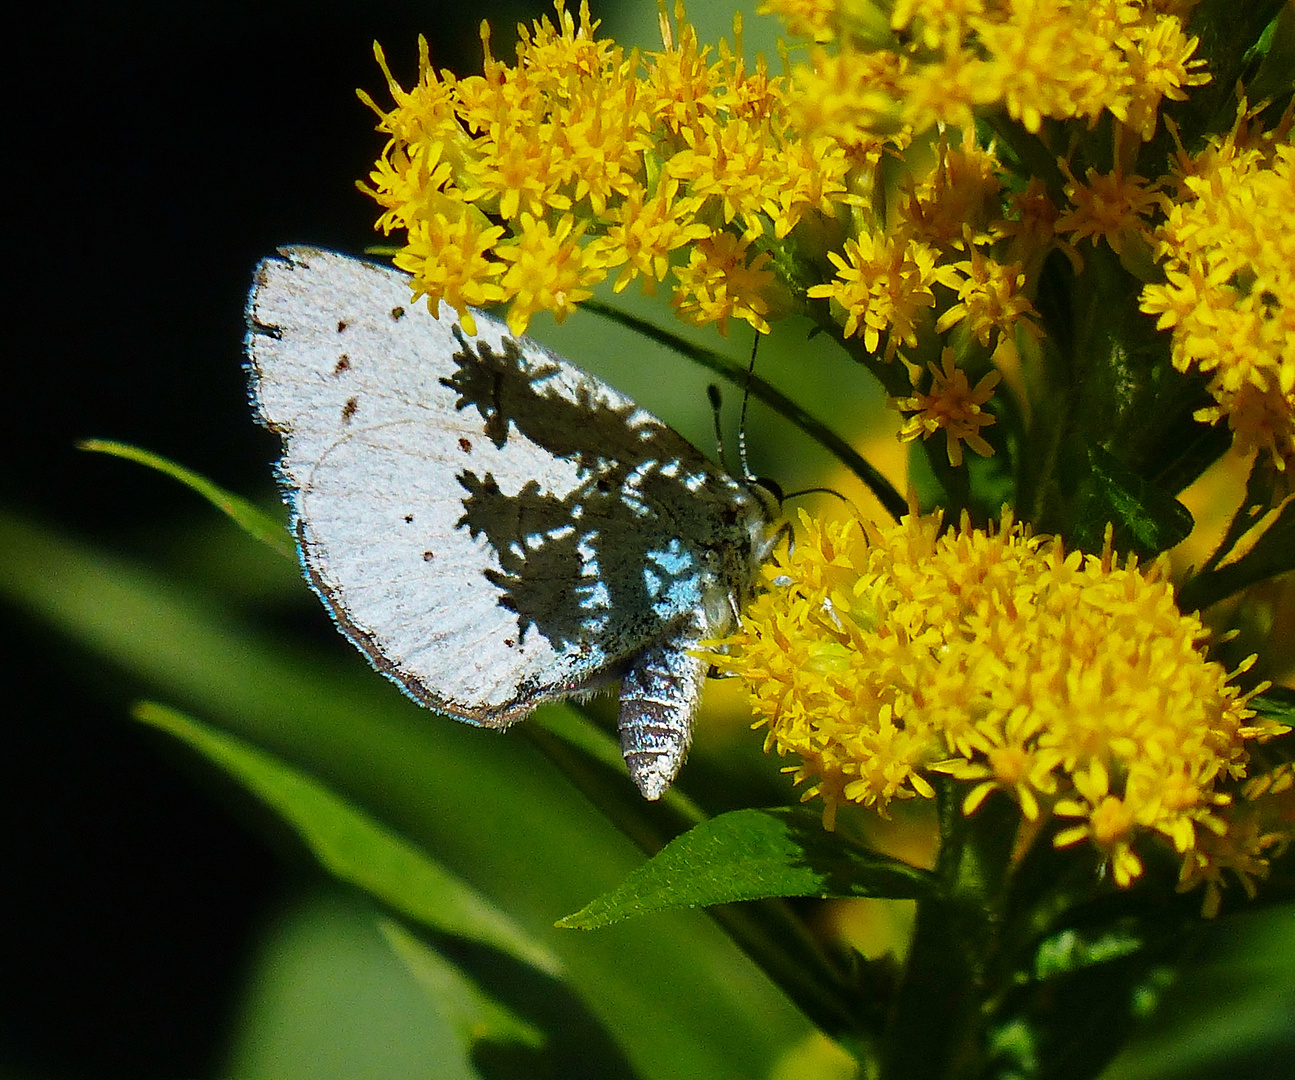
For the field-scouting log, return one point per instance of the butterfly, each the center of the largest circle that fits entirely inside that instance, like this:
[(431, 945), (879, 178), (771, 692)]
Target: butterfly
[(491, 526)]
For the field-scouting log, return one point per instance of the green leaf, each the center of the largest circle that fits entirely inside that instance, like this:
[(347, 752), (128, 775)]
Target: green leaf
[(1272, 554), (1228, 1011), (769, 931), (591, 760), (1090, 987), (355, 848), (1260, 496), (470, 1011), (1071, 949), (1276, 703), (752, 855), (248, 517), (325, 997), (1228, 34), (1275, 78), (1113, 436), (1147, 520)]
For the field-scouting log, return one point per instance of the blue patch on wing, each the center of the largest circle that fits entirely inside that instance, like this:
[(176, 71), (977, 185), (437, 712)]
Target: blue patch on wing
[(622, 557)]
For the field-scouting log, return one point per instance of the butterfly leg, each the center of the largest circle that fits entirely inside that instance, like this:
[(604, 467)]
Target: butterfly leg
[(659, 695)]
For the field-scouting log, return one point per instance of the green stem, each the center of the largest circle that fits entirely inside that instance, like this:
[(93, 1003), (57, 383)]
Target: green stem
[(736, 373), (937, 1021)]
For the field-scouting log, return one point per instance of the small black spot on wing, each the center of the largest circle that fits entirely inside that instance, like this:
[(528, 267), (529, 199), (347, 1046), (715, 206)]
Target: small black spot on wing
[(349, 410), (465, 446), (409, 519), (341, 325), (343, 364), (428, 556), (397, 313), (267, 329)]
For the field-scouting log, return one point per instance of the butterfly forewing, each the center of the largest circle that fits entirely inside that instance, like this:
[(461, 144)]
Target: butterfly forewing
[(492, 526)]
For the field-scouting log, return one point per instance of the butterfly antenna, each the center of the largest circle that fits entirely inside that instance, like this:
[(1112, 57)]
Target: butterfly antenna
[(818, 491), (712, 392), (741, 424), (825, 491)]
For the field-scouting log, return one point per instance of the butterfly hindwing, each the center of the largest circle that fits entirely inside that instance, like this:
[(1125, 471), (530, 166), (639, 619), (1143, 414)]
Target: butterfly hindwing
[(492, 526)]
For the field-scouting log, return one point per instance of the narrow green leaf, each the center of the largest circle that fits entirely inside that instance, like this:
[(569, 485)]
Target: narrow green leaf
[(1272, 554), (1070, 949), (475, 1015), (1228, 34), (355, 848), (590, 758), (752, 855), (325, 998), (1260, 496), (1275, 78), (248, 517), (768, 931), (488, 806), (1277, 703)]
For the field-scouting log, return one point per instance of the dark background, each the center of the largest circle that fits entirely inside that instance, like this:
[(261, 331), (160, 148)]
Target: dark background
[(155, 152)]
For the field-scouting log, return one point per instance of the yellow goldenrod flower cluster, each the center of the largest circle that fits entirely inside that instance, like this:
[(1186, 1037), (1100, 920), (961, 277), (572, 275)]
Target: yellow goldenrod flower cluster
[(877, 86), (852, 186), (1070, 682), (1228, 253), (936, 61), (529, 184), (904, 182)]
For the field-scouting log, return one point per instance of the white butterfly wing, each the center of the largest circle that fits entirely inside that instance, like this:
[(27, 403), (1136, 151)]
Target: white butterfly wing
[(477, 513)]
